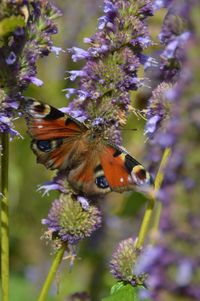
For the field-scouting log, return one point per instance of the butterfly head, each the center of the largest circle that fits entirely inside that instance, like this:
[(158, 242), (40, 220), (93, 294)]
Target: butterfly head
[(95, 135)]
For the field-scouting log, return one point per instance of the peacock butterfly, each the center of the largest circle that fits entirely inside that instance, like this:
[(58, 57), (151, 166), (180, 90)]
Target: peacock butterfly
[(93, 165)]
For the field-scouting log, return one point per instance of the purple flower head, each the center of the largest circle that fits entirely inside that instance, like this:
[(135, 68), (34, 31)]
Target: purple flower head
[(69, 222), (123, 262), (112, 62)]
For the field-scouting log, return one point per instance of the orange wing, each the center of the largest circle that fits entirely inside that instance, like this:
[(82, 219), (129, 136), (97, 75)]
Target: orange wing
[(46, 122), (121, 171)]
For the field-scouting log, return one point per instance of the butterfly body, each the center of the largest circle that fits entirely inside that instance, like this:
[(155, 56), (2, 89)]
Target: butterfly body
[(90, 162)]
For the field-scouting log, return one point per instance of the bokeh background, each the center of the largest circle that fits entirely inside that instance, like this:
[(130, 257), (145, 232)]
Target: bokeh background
[(30, 256)]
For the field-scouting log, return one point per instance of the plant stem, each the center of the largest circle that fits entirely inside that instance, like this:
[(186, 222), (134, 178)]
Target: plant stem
[(46, 286), (4, 218), (151, 203)]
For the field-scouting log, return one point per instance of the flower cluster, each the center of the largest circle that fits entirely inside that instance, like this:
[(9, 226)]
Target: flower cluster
[(163, 125), (26, 28), (173, 121), (112, 61)]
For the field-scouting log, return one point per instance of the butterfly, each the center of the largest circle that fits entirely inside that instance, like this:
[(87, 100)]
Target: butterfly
[(92, 164)]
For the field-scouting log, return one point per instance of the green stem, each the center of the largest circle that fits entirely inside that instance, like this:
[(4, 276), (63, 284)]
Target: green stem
[(4, 218), (46, 286), (149, 210), (156, 222)]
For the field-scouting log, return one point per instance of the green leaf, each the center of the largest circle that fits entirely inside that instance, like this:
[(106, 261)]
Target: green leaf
[(8, 25), (116, 287), (122, 293)]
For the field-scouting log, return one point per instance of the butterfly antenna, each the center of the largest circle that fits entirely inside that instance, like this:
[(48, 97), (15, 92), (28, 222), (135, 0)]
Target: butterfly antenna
[(128, 129)]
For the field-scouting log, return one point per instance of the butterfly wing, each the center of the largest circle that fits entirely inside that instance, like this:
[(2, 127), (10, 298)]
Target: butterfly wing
[(121, 171), (55, 134), (46, 122), (111, 169)]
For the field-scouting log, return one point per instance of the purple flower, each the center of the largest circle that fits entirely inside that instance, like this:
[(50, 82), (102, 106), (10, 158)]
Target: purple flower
[(11, 59), (36, 81), (170, 49), (70, 91), (184, 273), (78, 54), (75, 73), (158, 4), (151, 124), (56, 50)]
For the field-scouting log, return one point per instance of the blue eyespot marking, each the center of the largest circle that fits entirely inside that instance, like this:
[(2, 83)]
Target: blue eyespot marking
[(44, 145), (101, 182)]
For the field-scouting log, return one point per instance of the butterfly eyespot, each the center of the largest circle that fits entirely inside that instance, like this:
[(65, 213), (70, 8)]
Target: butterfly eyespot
[(140, 172), (44, 145), (40, 108), (101, 182)]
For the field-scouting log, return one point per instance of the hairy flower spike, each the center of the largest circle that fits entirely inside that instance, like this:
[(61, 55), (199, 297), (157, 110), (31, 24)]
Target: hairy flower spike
[(174, 36), (174, 272), (69, 222), (158, 110), (112, 62), (123, 262)]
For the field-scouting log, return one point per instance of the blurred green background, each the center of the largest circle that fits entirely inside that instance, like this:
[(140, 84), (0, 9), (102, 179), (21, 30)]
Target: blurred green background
[(30, 257)]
